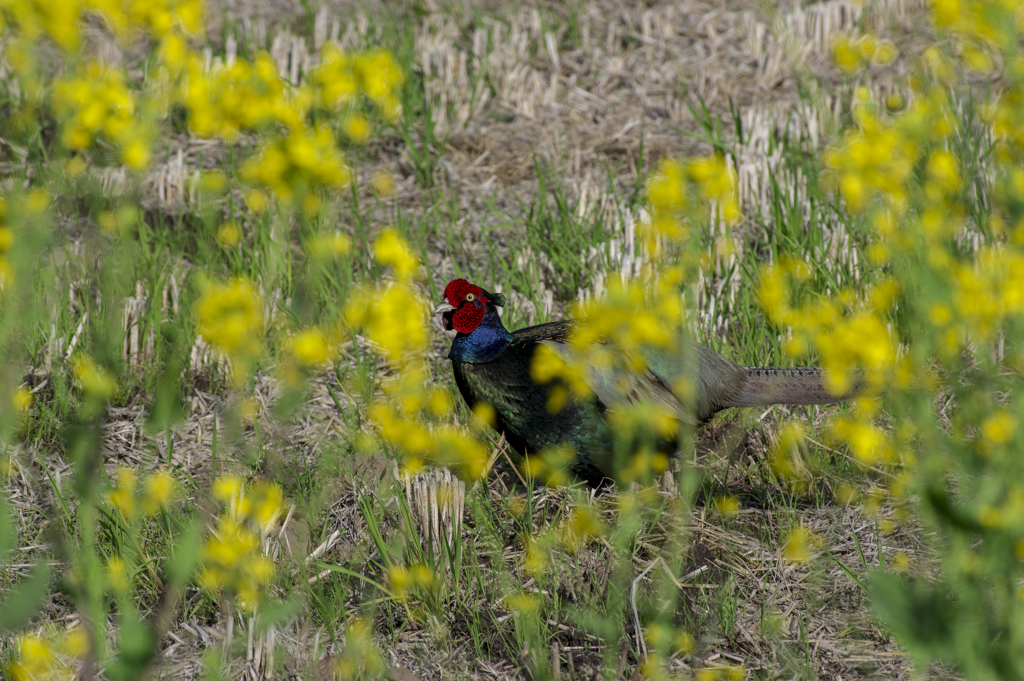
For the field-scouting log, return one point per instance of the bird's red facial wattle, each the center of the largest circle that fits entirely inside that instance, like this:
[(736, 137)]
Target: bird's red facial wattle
[(466, 306)]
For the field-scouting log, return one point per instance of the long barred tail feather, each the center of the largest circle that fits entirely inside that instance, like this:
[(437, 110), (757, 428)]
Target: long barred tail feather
[(786, 385)]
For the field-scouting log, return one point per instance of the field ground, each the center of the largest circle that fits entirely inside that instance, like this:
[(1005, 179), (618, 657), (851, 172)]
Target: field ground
[(546, 121)]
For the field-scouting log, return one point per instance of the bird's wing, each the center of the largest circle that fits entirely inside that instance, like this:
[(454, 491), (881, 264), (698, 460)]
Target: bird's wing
[(625, 386)]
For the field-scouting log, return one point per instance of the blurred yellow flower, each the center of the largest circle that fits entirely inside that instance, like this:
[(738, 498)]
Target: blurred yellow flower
[(727, 505), (999, 427), (797, 548), (391, 249), (357, 128), (329, 245), (298, 165), (122, 496), (383, 183), (36, 658), (311, 347), (21, 400), (522, 602), (117, 573), (229, 234), (159, 489), (232, 555), (230, 318), (95, 381)]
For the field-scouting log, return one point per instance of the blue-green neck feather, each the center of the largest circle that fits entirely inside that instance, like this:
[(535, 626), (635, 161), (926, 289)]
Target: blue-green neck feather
[(484, 343)]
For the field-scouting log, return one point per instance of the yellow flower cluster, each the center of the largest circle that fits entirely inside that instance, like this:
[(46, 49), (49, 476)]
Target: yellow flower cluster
[(848, 333), (312, 347), (988, 292), (33, 19), (580, 527), (160, 19), (677, 185), (96, 102), (610, 346), (93, 101), (233, 557), (242, 97), (405, 579), (37, 658), (853, 54), (979, 28), (800, 545), (341, 75), (95, 381), (230, 318), (246, 97), (155, 494), (394, 317), (441, 444), (297, 166), (903, 174), (873, 160), (522, 602), (360, 659), (611, 335)]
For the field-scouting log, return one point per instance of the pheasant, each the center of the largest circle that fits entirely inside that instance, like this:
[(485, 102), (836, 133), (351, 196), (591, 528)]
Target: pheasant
[(492, 365)]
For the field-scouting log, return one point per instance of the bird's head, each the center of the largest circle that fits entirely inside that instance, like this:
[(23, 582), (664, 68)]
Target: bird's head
[(465, 305)]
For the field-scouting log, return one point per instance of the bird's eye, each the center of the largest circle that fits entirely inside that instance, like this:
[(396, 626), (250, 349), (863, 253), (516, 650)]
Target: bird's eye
[(470, 297)]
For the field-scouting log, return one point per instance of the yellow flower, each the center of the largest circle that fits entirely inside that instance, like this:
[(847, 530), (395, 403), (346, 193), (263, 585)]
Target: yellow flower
[(846, 54), (230, 317), (227, 487), (400, 580), (36, 659), (727, 505), (329, 245), (159, 488), (257, 201), (391, 249), (122, 496), (135, 155), (581, 526), (298, 165), (117, 573), (798, 546), (232, 555), (95, 381), (21, 400), (269, 503), (357, 128), (944, 171), (522, 602), (383, 183), (76, 642), (999, 428), (229, 234), (311, 347)]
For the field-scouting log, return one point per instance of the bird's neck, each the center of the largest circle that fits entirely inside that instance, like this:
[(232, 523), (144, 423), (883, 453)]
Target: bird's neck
[(484, 343)]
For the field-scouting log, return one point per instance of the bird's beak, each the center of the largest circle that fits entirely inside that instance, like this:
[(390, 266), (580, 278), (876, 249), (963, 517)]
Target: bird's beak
[(444, 307)]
